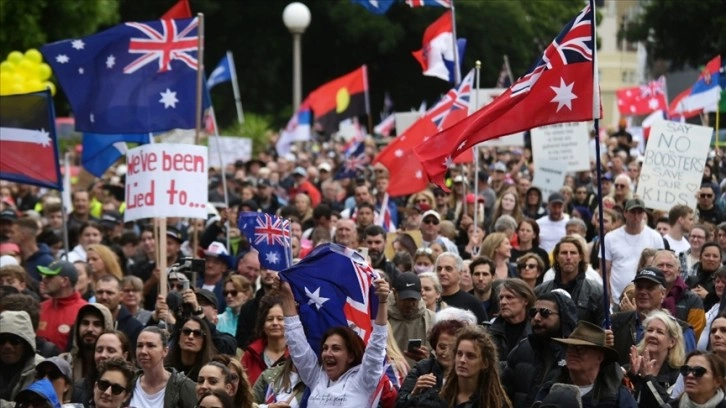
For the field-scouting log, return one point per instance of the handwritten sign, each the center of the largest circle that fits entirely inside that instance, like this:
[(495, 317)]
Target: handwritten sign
[(673, 164), (549, 176), (563, 143), (166, 180), (231, 149)]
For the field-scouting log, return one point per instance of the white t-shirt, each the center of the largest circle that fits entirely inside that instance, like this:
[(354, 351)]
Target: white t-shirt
[(679, 246), (623, 251), (141, 399), (551, 232)]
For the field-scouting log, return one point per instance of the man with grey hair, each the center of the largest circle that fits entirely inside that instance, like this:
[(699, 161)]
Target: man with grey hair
[(448, 268), (576, 226)]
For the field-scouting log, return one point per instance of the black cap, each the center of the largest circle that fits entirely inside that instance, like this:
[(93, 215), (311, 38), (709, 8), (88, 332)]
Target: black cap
[(652, 274), (408, 286), (9, 215), (556, 198), (173, 233), (112, 218), (60, 268), (206, 296)]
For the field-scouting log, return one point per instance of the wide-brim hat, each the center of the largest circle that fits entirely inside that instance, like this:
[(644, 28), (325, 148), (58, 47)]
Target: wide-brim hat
[(590, 335)]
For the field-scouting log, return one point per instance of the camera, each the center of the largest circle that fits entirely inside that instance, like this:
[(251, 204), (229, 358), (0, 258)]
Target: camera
[(181, 276)]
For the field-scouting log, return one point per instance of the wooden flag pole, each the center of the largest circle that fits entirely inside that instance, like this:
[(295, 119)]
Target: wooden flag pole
[(162, 257), (200, 78), (477, 66)]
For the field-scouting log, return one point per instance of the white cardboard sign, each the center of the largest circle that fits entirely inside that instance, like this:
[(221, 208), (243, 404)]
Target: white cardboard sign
[(673, 164), (485, 97), (232, 149), (166, 180), (549, 176), (561, 143)]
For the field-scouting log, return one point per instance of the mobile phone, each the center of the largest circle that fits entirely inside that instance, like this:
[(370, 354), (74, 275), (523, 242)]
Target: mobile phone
[(414, 345)]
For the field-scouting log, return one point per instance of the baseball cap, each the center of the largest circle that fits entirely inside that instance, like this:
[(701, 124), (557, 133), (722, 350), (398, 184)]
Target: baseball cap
[(9, 248), (174, 233), (218, 250), (263, 182), (607, 176), (432, 213), (408, 286), (60, 268), (56, 363), (324, 166), (459, 179), (9, 215), (471, 197), (112, 217), (634, 203), (299, 171), (556, 198), (652, 274), (499, 166), (207, 296)]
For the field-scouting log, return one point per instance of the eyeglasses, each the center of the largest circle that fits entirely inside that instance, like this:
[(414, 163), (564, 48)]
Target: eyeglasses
[(230, 292), (620, 186), (543, 311), (189, 332), (427, 251), (116, 389), (706, 195), (697, 371), (528, 266), (431, 221), (12, 339)]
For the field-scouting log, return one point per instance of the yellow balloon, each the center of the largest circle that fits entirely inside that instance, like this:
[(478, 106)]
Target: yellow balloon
[(7, 66), (15, 57), (16, 88), (5, 77), (34, 55), (50, 85), (17, 78), (33, 85), (25, 67), (44, 71)]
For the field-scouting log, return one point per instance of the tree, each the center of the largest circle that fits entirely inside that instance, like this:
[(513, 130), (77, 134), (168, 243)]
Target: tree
[(684, 33)]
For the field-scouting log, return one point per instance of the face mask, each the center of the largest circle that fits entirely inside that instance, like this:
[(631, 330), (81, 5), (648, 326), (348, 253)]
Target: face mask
[(421, 269)]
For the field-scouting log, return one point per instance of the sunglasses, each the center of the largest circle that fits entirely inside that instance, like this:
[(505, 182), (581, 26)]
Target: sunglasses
[(12, 339), (234, 293), (189, 332), (620, 186), (706, 195), (431, 221), (697, 371), (528, 266), (440, 195), (543, 311), (115, 388)]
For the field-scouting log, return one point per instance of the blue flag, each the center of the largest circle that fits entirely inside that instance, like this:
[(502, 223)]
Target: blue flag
[(334, 287), (375, 6), (222, 73), (100, 151), (270, 236), (131, 78), (450, 66), (354, 162)]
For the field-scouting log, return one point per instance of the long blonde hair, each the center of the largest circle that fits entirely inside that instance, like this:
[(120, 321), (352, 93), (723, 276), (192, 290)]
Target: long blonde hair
[(677, 354), (110, 261)]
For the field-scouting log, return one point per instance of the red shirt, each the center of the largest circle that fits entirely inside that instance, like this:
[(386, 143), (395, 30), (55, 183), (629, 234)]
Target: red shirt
[(57, 317)]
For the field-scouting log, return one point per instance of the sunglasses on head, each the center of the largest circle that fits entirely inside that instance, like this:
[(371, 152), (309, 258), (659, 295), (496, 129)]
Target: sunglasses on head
[(543, 311), (234, 293), (115, 388), (427, 251), (697, 371), (189, 332), (12, 339)]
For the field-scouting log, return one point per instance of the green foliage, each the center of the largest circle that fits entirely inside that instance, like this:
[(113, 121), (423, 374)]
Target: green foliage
[(685, 33), (256, 127), (31, 23)]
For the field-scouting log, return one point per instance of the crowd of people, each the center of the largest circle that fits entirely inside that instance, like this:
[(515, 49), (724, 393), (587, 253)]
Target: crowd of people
[(491, 293)]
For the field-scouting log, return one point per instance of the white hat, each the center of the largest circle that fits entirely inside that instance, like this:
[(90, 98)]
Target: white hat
[(432, 213), (6, 260)]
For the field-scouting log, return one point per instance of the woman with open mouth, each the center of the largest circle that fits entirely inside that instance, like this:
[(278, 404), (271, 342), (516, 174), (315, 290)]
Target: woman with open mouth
[(346, 373)]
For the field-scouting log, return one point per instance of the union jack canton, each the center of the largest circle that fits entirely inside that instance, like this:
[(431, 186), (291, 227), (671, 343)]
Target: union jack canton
[(270, 236)]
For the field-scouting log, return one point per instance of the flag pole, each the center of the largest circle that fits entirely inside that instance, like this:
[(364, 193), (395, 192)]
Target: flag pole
[(200, 77), (218, 141), (477, 66), (457, 69), (235, 89), (162, 257), (64, 202), (367, 99), (598, 160), (508, 68)]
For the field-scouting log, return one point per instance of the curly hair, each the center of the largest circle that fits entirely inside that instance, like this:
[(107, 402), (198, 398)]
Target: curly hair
[(120, 365), (490, 390)]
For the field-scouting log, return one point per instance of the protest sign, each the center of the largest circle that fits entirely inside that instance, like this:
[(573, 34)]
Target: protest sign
[(673, 164), (166, 180), (563, 143), (232, 148), (549, 176), (484, 97), (404, 120)]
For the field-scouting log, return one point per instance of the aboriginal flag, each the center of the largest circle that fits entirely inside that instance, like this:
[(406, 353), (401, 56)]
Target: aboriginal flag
[(339, 99)]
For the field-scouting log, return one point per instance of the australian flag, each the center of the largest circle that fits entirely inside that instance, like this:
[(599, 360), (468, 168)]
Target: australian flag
[(334, 287), (354, 162), (270, 236), (132, 78)]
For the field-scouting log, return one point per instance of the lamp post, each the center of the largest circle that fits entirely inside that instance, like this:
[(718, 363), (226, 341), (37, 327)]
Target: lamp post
[(296, 17)]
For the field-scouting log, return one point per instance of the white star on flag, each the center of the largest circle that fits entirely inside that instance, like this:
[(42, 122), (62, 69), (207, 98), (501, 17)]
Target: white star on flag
[(110, 61), (62, 58), (632, 108), (419, 174), (80, 70), (272, 257), (398, 153), (563, 95), (315, 298), (448, 162), (78, 44), (168, 98), (461, 146), (92, 118), (653, 103)]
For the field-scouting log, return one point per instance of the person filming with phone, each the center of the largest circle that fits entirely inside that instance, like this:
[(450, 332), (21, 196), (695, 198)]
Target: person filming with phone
[(410, 319)]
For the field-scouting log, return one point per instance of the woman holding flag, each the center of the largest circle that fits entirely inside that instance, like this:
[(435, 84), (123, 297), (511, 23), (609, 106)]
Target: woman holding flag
[(346, 373)]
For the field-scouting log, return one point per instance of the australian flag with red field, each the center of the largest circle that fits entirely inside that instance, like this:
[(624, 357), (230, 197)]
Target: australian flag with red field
[(136, 77), (270, 236), (341, 98), (28, 144), (334, 287)]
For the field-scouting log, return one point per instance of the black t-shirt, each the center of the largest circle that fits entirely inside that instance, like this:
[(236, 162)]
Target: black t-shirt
[(513, 333), (465, 301)]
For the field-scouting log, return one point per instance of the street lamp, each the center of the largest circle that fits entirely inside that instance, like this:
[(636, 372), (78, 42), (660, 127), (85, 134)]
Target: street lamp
[(296, 17)]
